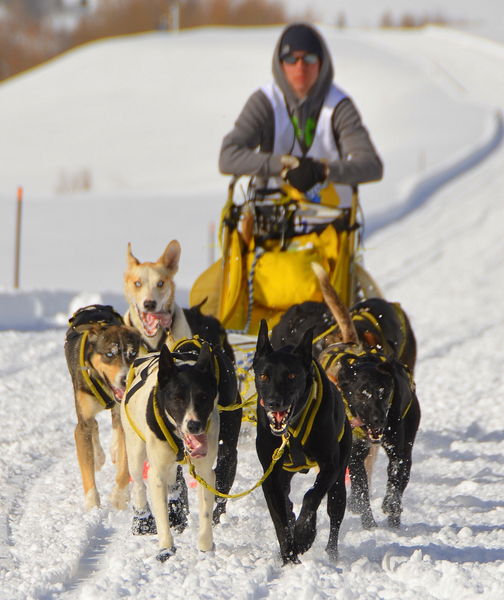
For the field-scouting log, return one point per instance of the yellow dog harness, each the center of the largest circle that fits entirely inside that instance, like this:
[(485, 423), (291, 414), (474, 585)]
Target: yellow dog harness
[(332, 358), (299, 434), (149, 363), (100, 390)]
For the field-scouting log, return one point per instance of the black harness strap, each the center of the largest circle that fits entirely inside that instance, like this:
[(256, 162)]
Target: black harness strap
[(151, 359)]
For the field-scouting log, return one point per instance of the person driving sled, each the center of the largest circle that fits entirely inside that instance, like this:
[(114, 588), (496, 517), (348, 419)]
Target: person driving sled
[(301, 128)]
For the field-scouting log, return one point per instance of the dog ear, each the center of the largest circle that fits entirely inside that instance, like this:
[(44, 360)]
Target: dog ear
[(305, 347), (132, 260), (171, 256), (200, 305), (263, 347), (167, 367), (205, 359)]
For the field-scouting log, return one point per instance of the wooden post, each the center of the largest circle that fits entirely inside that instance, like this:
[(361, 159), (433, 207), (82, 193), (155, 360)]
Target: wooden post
[(18, 236)]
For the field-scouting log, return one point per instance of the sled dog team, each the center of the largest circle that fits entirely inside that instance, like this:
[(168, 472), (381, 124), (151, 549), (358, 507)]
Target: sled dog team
[(326, 398)]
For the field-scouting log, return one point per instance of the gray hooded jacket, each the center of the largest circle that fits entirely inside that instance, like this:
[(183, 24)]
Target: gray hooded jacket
[(255, 129)]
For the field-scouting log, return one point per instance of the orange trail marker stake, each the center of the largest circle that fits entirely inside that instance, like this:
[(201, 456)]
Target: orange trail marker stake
[(18, 236)]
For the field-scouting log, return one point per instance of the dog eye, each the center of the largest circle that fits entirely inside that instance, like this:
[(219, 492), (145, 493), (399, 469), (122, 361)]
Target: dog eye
[(109, 354), (138, 283), (263, 377), (160, 284), (291, 376)]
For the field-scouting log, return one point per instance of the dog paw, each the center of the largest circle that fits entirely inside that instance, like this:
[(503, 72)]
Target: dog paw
[(177, 515), (332, 553), (92, 499), (290, 558), (166, 553), (119, 498), (219, 510), (305, 531), (143, 523)]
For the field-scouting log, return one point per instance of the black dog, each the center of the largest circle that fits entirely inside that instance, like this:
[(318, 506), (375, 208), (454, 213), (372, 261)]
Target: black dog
[(208, 328), (379, 324), (290, 385), (383, 408)]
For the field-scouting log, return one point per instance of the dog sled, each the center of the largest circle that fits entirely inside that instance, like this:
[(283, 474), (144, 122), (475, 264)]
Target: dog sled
[(268, 243)]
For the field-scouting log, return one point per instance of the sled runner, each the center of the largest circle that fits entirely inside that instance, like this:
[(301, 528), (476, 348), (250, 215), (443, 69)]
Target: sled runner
[(268, 243)]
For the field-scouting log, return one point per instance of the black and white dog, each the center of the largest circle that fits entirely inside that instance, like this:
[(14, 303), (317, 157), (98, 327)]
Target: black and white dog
[(171, 411), (296, 400)]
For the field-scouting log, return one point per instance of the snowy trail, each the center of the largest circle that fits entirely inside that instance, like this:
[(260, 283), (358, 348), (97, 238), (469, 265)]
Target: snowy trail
[(443, 262)]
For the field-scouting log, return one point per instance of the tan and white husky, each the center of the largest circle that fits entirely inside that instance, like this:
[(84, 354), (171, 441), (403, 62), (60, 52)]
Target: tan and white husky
[(149, 288)]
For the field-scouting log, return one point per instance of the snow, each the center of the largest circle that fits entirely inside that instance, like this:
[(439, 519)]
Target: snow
[(145, 116)]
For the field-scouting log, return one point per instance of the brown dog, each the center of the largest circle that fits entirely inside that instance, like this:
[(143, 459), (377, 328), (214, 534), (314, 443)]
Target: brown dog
[(99, 350)]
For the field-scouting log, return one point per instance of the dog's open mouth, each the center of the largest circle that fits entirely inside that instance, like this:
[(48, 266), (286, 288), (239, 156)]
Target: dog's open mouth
[(278, 419), (196, 445), (152, 322), (118, 393), (374, 435)]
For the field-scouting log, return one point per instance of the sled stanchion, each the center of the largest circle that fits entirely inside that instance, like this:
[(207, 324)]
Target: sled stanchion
[(351, 245), (19, 205), (225, 242)]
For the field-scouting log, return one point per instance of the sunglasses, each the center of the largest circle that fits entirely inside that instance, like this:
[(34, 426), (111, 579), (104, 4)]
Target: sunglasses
[(308, 59)]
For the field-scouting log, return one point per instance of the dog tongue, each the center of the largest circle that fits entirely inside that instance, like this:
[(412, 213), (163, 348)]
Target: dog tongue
[(196, 444), (152, 321), (279, 416), (118, 393)]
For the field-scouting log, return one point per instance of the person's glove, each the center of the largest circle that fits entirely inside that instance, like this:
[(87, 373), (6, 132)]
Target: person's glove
[(308, 173)]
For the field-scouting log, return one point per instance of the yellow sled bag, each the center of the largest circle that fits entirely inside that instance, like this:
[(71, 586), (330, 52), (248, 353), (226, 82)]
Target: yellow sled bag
[(282, 278)]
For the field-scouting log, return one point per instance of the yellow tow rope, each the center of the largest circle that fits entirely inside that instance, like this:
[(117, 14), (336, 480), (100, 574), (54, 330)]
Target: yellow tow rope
[(277, 455)]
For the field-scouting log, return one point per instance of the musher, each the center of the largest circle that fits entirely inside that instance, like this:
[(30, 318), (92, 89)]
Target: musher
[(301, 128)]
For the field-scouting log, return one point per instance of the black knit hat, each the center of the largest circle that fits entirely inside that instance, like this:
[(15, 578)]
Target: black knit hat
[(300, 38)]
